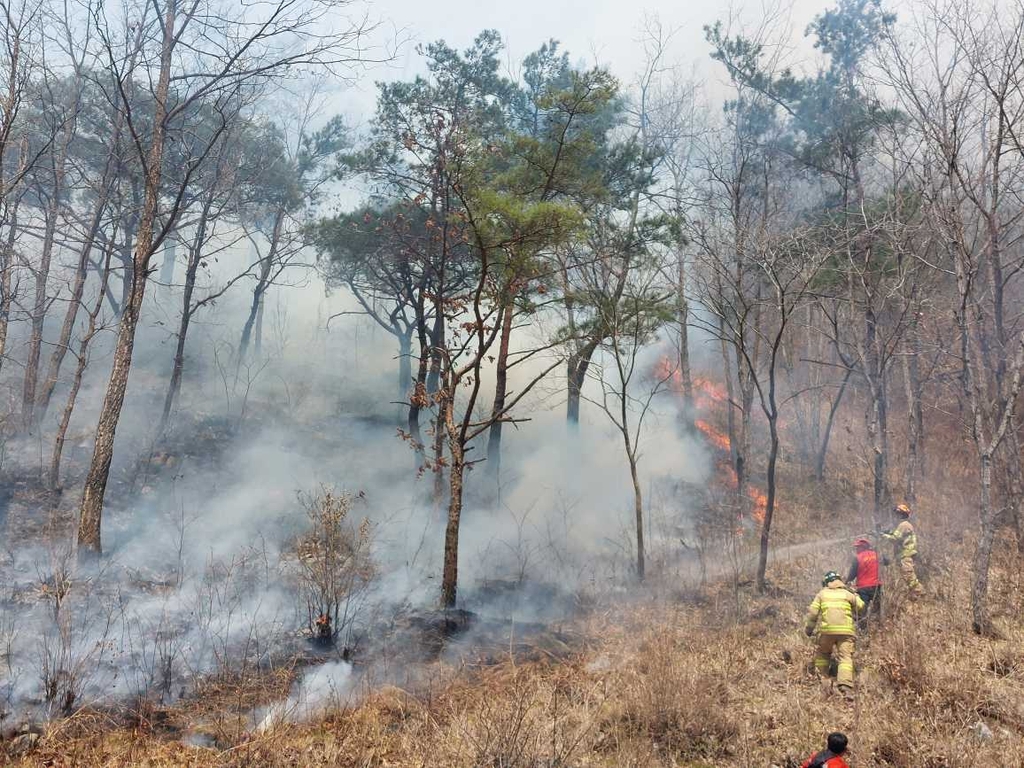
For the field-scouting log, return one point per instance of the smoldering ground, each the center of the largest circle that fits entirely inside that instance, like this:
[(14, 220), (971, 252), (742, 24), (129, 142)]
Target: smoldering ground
[(198, 577)]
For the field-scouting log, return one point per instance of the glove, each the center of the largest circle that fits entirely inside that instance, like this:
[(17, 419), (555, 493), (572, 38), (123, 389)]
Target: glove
[(809, 631)]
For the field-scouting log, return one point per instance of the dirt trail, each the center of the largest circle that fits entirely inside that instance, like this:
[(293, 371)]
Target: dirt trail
[(746, 562)]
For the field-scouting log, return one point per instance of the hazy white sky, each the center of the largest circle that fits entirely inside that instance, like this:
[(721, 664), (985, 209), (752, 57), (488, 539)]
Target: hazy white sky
[(596, 31)]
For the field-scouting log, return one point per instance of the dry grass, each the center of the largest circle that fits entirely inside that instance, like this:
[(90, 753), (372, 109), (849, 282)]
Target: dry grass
[(720, 681), (664, 686)]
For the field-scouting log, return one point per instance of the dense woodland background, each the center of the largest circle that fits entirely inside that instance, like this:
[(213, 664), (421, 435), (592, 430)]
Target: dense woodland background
[(532, 321)]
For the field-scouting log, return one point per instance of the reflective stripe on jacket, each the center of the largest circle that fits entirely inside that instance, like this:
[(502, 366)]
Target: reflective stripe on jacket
[(832, 610), (904, 538)]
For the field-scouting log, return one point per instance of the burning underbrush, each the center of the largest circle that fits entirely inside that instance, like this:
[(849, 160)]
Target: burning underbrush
[(651, 681), (705, 405), (244, 642)]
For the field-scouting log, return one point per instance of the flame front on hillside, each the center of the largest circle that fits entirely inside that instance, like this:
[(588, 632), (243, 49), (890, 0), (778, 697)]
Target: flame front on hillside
[(710, 402)]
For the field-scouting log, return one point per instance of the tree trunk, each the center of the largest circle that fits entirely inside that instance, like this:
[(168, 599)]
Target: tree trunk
[(819, 464), (912, 381), (131, 224), (418, 400), (195, 258), (167, 265), (91, 511), (730, 413), (439, 462), (437, 340), (878, 420), (685, 378), (39, 307), (262, 283), (638, 510), (76, 382), (29, 411), (769, 507), (450, 577), (404, 366), (742, 444), (500, 391), (71, 315), (257, 343), (576, 376), (983, 556), (6, 279), (881, 489)]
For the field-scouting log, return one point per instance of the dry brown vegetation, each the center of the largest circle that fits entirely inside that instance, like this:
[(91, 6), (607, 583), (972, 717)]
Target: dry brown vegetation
[(668, 679)]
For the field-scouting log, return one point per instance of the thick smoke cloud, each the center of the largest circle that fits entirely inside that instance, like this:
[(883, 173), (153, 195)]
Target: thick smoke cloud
[(198, 578)]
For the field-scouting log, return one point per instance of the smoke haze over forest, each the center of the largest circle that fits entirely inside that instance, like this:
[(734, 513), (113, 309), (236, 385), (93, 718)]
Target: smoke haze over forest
[(339, 340)]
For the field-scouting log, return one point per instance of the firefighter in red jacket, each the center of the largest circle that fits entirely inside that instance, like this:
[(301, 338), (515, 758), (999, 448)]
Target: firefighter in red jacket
[(864, 577), (830, 756)]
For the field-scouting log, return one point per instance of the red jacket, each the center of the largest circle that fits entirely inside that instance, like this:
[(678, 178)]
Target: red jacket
[(865, 569), (814, 761)]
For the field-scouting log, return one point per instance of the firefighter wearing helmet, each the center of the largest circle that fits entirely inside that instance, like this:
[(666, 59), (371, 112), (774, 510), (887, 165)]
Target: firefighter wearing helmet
[(904, 541), (864, 577), (833, 611)]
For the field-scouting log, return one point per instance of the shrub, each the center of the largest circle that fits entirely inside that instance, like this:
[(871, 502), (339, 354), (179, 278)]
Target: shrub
[(335, 565)]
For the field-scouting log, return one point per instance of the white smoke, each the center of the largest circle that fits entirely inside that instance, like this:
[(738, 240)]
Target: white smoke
[(321, 688)]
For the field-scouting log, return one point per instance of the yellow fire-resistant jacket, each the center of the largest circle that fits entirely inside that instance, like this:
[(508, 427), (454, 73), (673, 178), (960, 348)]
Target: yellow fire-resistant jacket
[(904, 538), (834, 607)]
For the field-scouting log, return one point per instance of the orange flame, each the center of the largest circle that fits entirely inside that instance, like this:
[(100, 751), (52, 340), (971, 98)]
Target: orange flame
[(711, 399), (718, 439)]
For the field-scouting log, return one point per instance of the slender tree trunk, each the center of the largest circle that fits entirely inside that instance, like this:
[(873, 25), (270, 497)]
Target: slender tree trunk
[(822, 458), (167, 265), (174, 385), (437, 340), (742, 445), (878, 419), (29, 410), (769, 507), (91, 512), (439, 460), (6, 279), (685, 377), (575, 375), (882, 455), (262, 283), (500, 391), (195, 257), (257, 331), (71, 315), (127, 254), (913, 390), (39, 307), (456, 470), (404, 366), (76, 382), (983, 555), (418, 400), (730, 413), (638, 511)]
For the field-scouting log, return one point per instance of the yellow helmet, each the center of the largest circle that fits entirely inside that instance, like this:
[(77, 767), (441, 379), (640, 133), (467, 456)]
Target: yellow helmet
[(902, 509)]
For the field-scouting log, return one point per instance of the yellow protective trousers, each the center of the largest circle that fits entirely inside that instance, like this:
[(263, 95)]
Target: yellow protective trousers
[(843, 646), (909, 574)]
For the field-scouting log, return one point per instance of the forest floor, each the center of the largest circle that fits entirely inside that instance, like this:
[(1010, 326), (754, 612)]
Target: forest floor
[(668, 675)]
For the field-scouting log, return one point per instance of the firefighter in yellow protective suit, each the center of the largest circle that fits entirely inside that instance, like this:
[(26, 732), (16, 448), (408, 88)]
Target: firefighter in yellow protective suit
[(833, 612), (905, 542)]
